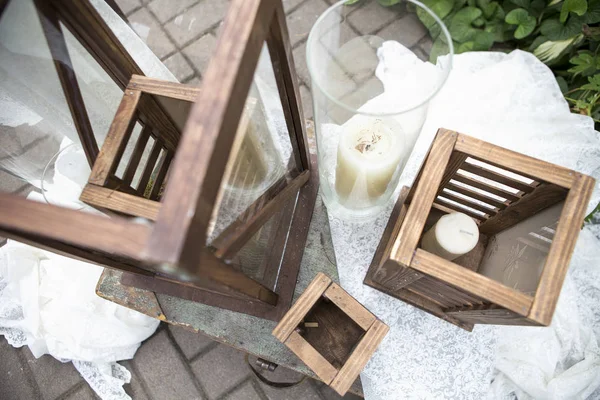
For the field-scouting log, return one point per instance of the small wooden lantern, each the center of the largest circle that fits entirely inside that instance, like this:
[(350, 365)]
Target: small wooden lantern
[(529, 214), (331, 332), (184, 212)]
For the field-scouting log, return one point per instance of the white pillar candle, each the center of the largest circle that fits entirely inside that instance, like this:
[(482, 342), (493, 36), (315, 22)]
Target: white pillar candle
[(453, 235), (369, 151)]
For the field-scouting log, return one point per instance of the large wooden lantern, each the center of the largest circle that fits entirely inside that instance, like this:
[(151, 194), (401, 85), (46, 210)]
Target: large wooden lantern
[(209, 199), (528, 212)]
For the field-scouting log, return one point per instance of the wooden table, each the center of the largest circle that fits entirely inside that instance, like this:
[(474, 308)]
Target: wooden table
[(243, 332)]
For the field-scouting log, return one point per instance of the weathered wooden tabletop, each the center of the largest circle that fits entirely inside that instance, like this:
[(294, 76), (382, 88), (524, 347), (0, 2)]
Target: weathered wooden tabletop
[(243, 332)]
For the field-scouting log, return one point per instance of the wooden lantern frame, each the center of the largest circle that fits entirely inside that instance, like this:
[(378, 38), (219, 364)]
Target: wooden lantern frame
[(340, 379), (402, 270), (170, 244)]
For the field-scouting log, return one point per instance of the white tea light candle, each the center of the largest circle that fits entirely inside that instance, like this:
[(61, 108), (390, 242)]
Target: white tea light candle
[(369, 152), (453, 235)]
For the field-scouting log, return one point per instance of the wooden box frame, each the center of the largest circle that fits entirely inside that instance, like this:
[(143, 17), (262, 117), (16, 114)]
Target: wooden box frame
[(340, 379), (401, 269), (169, 245)]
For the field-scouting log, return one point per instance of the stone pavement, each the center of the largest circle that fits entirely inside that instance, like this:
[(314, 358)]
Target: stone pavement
[(175, 363)]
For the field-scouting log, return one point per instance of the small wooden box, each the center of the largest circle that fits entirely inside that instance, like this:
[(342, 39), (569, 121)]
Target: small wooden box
[(529, 214), (331, 332)]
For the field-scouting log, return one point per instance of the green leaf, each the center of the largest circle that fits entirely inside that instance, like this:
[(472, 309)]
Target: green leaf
[(585, 63), (440, 8), (562, 84), (496, 28), (439, 48), (525, 22), (479, 22), (552, 51), (521, 3), (578, 7), (492, 11), (460, 28), (592, 16), (537, 8), (482, 41), (593, 83), (350, 2), (593, 216), (554, 30), (536, 42)]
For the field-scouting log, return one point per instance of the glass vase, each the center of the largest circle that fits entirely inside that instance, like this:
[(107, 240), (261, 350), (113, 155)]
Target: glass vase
[(373, 70)]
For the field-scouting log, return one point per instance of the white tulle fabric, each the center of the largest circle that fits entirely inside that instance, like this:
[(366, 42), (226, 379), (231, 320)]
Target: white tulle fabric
[(511, 100)]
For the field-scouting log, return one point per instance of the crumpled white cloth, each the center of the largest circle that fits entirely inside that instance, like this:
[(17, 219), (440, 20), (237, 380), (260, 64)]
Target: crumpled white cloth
[(48, 302), (511, 100)]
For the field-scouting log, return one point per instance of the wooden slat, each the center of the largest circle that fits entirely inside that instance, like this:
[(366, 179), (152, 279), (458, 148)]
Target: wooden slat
[(477, 196), (290, 321), (544, 196), (359, 358), (205, 146), (165, 88), (116, 140), (311, 357), (280, 51), (162, 168), (517, 163), (387, 272), (136, 155), (472, 282), (259, 212), (496, 177), (459, 177), (456, 161), (350, 306), (118, 201), (454, 207), (68, 79), (561, 250), (491, 314), (433, 171), (470, 204), (109, 235), (149, 168)]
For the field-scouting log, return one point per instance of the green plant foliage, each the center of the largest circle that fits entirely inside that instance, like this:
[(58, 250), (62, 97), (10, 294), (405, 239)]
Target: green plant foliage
[(525, 23), (585, 63), (461, 28), (578, 7)]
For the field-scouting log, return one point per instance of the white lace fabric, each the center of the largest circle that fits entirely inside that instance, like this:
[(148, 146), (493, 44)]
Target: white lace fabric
[(511, 100)]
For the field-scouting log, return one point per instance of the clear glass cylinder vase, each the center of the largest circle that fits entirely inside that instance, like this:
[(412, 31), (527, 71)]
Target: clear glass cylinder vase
[(374, 70)]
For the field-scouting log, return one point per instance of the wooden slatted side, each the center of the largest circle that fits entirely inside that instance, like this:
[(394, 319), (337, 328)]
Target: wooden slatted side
[(443, 294), (490, 314)]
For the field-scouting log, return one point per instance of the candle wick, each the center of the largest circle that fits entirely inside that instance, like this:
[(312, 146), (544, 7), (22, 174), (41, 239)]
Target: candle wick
[(365, 145)]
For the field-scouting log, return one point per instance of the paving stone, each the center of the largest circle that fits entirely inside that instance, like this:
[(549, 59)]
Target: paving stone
[(14, 383), (148, 28), (426, 44), (195, 81), (134, 388), (164, 10), (407, 30), (179, 66), (244, 392), (300, 63), (220, 369), (290, 4), (306, 99), (303, 18), (200, 51), (52, 376), (189, 25), (372, 17), (127, 6), (191, 343), (83, 393), (163, 371)]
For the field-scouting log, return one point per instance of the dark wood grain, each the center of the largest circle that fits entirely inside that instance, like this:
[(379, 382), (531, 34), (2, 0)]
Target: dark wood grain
[(136, 155), (149, 167), (114, 200)]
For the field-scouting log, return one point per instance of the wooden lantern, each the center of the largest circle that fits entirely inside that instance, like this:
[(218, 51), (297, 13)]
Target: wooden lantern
[(529, 214), (172, 226), (331, 332)]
